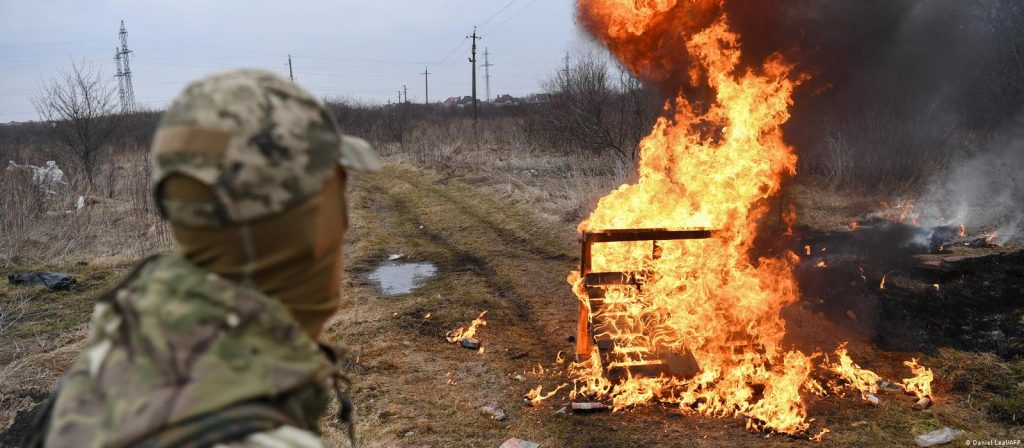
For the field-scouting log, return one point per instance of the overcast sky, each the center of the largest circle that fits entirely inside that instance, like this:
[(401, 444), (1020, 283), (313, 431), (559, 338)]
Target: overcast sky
[(363, 50)]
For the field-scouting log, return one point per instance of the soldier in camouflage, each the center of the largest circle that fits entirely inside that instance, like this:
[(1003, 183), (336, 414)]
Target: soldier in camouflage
[(216, 345)]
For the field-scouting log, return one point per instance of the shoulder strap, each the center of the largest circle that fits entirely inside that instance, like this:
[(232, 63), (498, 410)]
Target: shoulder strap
[(217, 427)]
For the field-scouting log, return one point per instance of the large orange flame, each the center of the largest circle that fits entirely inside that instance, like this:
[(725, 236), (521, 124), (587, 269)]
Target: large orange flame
[(708, 164)]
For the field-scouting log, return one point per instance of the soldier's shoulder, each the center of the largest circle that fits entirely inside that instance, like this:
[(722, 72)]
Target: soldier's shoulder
[(281, 437)]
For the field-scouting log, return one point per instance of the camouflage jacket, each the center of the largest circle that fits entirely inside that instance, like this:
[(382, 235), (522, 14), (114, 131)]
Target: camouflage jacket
[(175, 346)]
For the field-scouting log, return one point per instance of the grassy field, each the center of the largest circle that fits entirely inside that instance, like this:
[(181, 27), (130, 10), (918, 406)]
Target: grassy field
[(503, 240)]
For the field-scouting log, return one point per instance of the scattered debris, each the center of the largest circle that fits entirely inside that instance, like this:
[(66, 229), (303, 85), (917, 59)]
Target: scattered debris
[(51, 280), (46, 178), (519, 443), (588, 406), (860, 423), (923, 403), (562, 410), (519, 355), (519, 377), (394, 257), (890, 387), (937, 437), (872, 398), (471, 343), (494, 412)]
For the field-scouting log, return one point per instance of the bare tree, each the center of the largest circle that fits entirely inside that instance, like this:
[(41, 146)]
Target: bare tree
[(79, 108), (590, 109)]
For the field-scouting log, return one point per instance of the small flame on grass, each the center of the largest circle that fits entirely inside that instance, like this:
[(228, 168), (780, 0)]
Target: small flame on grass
[(936, 286), (789, 217), (535, 396), (863, 380), (882, 285), (461, 333), (480, 350), (963, 231), (921, 383), (807, 249), (815, 387), (821, 264), (426, 316), (817, 437), (854, 226), (863, 277)]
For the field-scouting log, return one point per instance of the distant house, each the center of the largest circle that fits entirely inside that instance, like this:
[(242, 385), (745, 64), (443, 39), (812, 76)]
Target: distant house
[(537, 98), (454, 101), (506, 100)]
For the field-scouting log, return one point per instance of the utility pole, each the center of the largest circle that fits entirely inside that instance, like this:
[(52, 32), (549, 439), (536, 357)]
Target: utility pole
[(290, 74), (405, 93), (426, 85), (472, 60), (487, 74), (399, 97), (566, 69), (124, 73)]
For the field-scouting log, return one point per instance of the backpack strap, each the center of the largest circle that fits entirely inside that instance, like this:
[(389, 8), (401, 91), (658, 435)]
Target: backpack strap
[(225, 425)]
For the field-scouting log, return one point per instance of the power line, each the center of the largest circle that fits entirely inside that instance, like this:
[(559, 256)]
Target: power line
[(496, 14), (510, 17), (457, 47)]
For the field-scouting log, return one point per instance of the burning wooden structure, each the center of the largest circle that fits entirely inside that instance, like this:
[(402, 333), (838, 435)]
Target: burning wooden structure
[(595, 314)]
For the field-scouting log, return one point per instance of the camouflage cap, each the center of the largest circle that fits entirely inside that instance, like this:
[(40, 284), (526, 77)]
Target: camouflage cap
[(257, 140)]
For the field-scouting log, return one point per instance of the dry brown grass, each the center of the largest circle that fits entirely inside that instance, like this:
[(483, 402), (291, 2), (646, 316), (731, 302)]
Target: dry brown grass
[(559, 185), (117, 222)]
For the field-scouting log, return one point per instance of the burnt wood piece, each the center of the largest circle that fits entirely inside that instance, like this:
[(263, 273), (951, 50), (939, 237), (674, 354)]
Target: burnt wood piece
[(622, 235), (619, 235), (609, 278)]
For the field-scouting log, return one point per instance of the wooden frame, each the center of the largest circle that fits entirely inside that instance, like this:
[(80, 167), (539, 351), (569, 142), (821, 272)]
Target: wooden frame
[(593, 281)]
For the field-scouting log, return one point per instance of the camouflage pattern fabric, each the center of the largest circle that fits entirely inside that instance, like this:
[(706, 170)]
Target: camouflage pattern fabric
[(175, 343), (257, 140)]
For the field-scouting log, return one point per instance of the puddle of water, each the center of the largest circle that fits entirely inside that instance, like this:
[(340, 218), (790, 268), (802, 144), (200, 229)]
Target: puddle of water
[(401, 278)]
